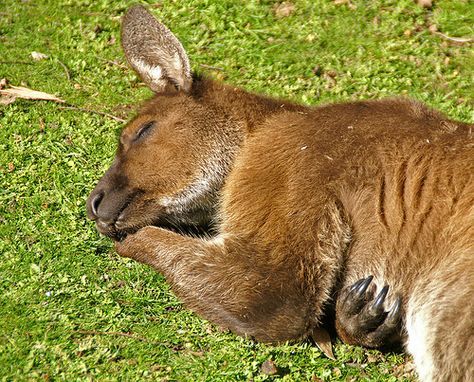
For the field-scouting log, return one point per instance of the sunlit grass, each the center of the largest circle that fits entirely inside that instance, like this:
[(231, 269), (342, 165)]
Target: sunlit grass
[(70, 308)]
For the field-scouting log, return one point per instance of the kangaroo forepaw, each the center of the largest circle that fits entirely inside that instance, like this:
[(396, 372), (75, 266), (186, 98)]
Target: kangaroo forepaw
[(362, 318)]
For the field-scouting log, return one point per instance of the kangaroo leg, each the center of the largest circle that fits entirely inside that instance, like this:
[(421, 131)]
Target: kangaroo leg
[(362, 318), (440, 322), (225, 282)]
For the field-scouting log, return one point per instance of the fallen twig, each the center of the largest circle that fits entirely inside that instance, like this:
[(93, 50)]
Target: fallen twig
[(92, 111), (17, 62), (169, 345), (460, 40), (66, 70), (122, 334), (116, 63), (210, 67)]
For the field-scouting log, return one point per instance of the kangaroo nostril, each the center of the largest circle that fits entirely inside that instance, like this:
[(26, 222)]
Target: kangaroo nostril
[(96, 202)]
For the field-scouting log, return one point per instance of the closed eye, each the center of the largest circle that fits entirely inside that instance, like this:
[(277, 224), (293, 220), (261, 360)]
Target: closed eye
[(144, 130)]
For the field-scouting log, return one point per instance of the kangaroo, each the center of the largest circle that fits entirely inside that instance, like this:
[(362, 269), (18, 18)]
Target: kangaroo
[(367, 207)]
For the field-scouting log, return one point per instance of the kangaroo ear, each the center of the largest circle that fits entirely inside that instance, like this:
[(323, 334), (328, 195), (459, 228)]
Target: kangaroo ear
[(154, 52)]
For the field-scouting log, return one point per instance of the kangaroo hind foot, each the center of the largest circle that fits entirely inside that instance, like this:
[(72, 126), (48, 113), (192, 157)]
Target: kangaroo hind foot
[(362, 318)]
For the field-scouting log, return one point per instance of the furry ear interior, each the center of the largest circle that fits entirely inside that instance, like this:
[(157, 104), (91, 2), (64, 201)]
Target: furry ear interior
[(154, 52)]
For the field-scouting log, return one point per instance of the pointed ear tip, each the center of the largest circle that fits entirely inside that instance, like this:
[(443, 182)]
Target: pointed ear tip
[(135, 11), (132, 19), (136, 8)]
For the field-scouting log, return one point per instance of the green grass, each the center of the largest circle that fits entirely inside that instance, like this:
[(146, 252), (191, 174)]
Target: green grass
[(66, 299)]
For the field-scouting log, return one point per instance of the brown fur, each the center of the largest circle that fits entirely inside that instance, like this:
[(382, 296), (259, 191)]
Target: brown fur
[(304, 202)]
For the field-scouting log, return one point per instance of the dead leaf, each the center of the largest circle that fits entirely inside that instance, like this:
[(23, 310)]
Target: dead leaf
[(374, 357), (318, 70), (425, 3), (404, 370), (323, 341), (330, 77), (42, 124), (269, 367), (7, 100), (196, 353), (37, 56), (25, 93), (347, 2), (283, 9)]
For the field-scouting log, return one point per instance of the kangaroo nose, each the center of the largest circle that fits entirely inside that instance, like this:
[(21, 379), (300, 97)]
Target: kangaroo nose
[(96, 199), (105, 205), (93, 203)]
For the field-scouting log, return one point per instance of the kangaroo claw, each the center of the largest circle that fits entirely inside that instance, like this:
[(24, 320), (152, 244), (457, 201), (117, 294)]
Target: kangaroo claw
[(363, 318)]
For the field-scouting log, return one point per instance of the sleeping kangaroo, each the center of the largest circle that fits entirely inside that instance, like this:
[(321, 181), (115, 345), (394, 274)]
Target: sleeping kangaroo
[(305, 208)]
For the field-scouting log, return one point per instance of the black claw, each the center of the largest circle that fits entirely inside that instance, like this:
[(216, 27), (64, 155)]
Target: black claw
[(364, 317), (380, 299), (362, 288), (354, 296), (356, 285), (394, 312)]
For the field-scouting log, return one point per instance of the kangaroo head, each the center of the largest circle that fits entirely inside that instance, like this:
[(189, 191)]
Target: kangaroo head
[(173, 156)]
